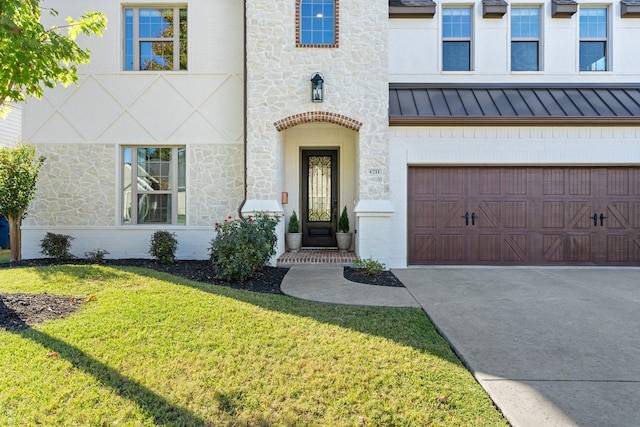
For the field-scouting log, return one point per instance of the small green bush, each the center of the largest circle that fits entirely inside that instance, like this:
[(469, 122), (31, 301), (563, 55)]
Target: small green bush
[(163, 246), (57, 246), (243, 246), (294, 224), (96, 256), (369, 266), (343, 222)]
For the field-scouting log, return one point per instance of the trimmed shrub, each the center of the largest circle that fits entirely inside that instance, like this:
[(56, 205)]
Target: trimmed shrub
[(294, 224), (57, 246), (369, 266), (343, 222), (96, 256), (243, 246), (163, 246)]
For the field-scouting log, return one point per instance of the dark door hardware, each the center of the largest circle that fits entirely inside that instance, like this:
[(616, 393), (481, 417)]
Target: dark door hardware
[(473, 218), (595, 219), (466, 218), (602, 217)]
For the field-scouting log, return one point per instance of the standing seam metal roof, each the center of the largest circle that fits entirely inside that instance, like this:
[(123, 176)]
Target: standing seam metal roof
[(429, 104)]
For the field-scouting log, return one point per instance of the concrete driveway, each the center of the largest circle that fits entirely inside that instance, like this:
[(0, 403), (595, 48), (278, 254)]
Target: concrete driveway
[(552, 346)]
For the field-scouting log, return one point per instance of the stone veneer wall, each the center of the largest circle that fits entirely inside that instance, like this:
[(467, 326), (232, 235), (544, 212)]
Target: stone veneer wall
[(79, 185), (356, 87)]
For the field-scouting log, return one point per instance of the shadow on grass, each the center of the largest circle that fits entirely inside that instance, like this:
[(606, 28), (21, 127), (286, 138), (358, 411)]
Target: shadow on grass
[(154, 406), (389, 323)]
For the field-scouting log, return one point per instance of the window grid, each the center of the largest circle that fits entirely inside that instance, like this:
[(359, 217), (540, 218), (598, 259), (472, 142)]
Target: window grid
[(159, 193), (456, 39), (593, 39), (155, 39), (317, 32), (525, 39)]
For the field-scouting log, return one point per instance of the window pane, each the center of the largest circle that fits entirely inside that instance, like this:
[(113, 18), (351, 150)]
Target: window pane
[(156, 55), (128, 39), (154, 209), (593, 23), (183, 39), (593, 56), (154, 165), (182, 186), (317, 22), (456, 22), (524, 56), (455, 56), (126, 186), (525, 22)]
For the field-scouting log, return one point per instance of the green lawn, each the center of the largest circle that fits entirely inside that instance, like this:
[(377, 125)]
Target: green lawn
[(152, 349), (5, 255)]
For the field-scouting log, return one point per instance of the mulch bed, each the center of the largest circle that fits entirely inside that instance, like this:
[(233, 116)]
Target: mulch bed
[(19, 311)]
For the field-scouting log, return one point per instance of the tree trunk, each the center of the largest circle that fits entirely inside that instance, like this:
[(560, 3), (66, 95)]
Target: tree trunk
[(15, 238)]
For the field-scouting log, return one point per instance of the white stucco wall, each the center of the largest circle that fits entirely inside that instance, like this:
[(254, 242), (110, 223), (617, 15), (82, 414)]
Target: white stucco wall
[(11, 126), (81, 130), (415, 48)]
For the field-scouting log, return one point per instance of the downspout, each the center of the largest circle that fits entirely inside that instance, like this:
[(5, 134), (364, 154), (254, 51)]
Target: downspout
[(244, 200)]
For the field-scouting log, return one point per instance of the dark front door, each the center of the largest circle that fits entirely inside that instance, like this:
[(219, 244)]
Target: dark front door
[(319, 197)]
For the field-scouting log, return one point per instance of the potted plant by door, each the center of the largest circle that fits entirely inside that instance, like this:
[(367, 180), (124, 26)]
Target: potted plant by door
[(294, 236), (343, 237)]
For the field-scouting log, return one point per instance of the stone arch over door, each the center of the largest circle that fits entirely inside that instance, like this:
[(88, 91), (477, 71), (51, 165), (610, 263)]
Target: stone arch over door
[(317, 134), (318, 116)]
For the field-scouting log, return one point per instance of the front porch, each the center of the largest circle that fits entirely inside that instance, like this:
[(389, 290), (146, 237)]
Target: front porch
[(316, 256)]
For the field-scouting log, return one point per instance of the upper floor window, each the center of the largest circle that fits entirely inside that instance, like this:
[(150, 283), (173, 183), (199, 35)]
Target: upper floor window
[(317, 23), (593, 39), (525, 39), (154, 185), (456, 39), (155, 38)]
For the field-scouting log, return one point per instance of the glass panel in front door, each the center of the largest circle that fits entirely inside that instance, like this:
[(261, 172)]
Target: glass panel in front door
[(319, 204)]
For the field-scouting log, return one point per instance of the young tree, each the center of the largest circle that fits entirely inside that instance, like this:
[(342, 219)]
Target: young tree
[(18, 176), (33, 57)]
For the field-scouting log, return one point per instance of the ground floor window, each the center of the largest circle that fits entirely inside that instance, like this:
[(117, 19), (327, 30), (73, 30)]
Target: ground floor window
[(153, 185)]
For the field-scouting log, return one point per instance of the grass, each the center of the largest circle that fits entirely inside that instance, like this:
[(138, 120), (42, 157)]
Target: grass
[(5, 255), (153, 349)]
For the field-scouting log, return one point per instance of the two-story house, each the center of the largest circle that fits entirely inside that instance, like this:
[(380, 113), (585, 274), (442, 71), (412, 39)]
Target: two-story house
[(456, 132)]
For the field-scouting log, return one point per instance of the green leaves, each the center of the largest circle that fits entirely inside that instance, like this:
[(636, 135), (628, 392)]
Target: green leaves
[(19, 170), (33, 57)]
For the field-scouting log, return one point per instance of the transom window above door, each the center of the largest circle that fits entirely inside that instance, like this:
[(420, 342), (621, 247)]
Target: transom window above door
[(155, 38), (317, 23)]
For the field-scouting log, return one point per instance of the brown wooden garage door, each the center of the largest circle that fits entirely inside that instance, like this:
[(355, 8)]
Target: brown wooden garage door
[(524, 216)]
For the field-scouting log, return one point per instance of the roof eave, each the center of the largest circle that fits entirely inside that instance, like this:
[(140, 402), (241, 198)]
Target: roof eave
[(512, 121)]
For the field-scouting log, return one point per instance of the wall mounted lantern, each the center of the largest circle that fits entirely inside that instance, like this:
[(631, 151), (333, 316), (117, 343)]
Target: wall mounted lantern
[(317, 88)]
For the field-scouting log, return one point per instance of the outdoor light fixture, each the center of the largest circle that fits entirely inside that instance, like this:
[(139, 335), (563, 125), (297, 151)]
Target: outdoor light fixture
[(317, 88)]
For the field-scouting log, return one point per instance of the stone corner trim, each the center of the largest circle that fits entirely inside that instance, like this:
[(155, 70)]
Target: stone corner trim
[(317, 116)]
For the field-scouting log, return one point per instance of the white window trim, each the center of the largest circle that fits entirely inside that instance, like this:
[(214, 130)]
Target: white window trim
[(174, 192), (540, 38), (137, 39), (470, 39), (606, 39)]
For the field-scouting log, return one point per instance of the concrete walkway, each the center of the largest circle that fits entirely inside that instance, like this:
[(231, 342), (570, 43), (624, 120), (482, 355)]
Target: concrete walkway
[(551, 346), (326, 283)]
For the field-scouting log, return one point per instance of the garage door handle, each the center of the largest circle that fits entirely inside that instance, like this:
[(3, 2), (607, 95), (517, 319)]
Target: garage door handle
[(466, 218), (473, 218), (602, 217), (595, 219)]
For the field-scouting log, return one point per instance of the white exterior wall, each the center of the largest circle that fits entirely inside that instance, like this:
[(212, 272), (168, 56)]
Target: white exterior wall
[(81, 129), (415, 48), (11, 126)]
